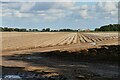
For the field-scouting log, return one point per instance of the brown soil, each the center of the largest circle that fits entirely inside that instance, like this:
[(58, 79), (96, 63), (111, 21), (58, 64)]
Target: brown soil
[(71, 69)]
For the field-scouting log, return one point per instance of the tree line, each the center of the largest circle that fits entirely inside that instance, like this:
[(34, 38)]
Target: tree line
[(110, 27), (4, 29)]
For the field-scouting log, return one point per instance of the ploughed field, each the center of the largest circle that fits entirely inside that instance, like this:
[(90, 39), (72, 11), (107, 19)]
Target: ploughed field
[(49, 55), (32, 40)]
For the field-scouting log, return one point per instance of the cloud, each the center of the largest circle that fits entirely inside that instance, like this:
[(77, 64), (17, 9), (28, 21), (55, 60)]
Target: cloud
[(85, 11), (7, 12), (27, 6), (63, 5), (25, 9), (54, 14), (84, 7), (82, 11), (15, 13), (42, 6), (11, 5), (53, 11), (107, 8), (21, 15), (84, 14)]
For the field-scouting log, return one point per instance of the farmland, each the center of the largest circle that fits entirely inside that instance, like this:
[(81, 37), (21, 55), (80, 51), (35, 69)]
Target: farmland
[(73, 55), (27, 40)]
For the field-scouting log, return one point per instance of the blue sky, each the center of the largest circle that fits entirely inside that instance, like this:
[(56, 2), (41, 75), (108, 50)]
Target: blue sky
[(57, 15)]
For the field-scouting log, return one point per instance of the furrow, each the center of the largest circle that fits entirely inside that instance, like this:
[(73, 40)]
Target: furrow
[(65, 41), (86, 38), (71, 40), (75, 39), (81, 38)]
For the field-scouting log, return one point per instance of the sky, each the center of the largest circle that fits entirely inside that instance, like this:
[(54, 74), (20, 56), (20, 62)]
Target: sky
[(58, 15)]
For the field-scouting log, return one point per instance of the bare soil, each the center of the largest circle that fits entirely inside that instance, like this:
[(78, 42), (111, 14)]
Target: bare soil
[(23, 51)]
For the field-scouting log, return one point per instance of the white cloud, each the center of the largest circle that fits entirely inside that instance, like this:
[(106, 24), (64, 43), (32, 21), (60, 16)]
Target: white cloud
[(52, 11), (49, 18), (107, 10), (63, 5), (107, 7), (15, 13), (114, 12), (84, 14), (27, 6), (83, 11), (39, 9), (60, 10), (54, 14), (84, 7), (41, 14), (11, 5), (110, 6), (20, 15), (7, 12)]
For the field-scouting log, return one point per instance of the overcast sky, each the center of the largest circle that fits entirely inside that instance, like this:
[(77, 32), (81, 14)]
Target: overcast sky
[(56, 15)]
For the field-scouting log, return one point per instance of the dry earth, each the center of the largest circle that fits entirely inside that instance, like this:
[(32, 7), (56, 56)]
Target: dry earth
[(14, 43), (28, 40)]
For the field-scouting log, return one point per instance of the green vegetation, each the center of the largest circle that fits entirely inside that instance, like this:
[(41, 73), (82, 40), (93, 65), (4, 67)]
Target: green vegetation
[(45, 30), (13, 29), (6, 29), (110, 27)]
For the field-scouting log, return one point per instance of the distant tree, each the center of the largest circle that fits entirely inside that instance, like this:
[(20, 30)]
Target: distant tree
[(47, 29), (1, 29), (96, 29), (22, 30), (43, 30), (29, 30), (11, 29), (35, 30), (110, 27), (67, 30), (5, 29), (16, 29)]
